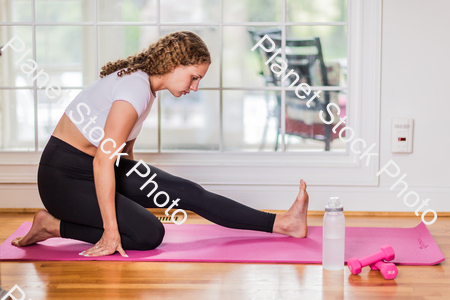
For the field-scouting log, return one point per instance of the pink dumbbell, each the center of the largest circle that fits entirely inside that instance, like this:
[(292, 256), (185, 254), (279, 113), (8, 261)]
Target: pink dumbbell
[(355, 265), (388, 270)]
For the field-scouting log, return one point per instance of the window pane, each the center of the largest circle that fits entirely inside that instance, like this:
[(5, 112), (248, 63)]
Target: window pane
[(66, 53), (50, 112), (19, 52), (119, 42), (249, 122), (316, 10), (190, 11), (64, 11), (252, 11), (127, 11), (304, 128), (241, 66), (333, 42), (190, 122), (210, 35), (16, 120), (147, 139), (15, 11)]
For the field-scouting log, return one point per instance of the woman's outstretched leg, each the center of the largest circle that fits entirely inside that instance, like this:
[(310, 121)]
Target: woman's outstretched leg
[(44, 226), (294, 221), (213, 207)]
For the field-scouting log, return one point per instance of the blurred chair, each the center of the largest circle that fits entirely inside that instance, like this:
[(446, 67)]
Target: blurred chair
[(300, 119)]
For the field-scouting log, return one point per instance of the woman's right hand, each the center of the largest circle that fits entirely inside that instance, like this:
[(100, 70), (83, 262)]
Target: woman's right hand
[(108, 244)]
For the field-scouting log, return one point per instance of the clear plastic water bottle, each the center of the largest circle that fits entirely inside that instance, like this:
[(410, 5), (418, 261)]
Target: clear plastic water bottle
[(333, 245)]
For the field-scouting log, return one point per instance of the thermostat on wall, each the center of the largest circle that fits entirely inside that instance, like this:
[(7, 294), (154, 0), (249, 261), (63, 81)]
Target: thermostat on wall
[(402, 135)]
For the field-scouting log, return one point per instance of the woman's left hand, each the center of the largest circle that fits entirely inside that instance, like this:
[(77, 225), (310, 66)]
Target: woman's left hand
[(108, 244)]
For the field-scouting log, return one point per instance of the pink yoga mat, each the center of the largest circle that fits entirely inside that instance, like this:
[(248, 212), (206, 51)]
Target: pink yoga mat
[(213, 243)]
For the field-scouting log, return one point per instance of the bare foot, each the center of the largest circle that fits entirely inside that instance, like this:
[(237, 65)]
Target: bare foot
[(293, 222), (44, 226)]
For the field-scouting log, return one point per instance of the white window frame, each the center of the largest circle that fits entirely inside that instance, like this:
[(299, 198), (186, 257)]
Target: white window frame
[(339, 168)]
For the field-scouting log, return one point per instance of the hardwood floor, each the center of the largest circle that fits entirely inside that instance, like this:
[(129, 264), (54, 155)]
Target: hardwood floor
[(180, 280)]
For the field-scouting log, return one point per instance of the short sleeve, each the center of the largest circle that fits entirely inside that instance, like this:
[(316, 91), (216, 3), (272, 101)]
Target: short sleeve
[(134, 89)]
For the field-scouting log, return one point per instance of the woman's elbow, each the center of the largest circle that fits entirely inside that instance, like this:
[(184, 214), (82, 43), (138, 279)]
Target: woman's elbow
[(101, 161)]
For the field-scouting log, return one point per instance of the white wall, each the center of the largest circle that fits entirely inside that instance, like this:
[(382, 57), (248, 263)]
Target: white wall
[(415, 66)]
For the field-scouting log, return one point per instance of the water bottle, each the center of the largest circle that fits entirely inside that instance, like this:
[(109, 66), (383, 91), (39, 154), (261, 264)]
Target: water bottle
[(333, 235)]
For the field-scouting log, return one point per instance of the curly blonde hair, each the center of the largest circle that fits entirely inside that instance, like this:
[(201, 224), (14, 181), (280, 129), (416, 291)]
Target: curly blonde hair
[(183, 48)]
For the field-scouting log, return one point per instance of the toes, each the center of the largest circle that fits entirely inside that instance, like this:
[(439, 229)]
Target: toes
[(16, 241), (302, 184)]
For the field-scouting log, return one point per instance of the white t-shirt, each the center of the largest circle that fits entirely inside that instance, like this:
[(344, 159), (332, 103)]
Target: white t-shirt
[(92, 105)]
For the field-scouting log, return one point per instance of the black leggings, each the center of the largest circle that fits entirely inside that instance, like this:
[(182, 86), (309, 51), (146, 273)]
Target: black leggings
[(67, 189)]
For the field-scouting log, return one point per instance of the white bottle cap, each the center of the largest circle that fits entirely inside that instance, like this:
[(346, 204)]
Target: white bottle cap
[(334, 205)]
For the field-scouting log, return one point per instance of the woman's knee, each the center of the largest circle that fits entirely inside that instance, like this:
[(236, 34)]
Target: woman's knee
[(151, 237), (190, 190)]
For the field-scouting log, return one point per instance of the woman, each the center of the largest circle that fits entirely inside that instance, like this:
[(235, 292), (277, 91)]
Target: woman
[(90, 198)]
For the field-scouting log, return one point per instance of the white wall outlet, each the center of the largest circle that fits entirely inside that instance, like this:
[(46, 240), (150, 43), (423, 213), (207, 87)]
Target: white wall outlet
[(402, 135)]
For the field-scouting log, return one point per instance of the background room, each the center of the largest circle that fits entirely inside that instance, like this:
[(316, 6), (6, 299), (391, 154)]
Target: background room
[(233, 117)]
